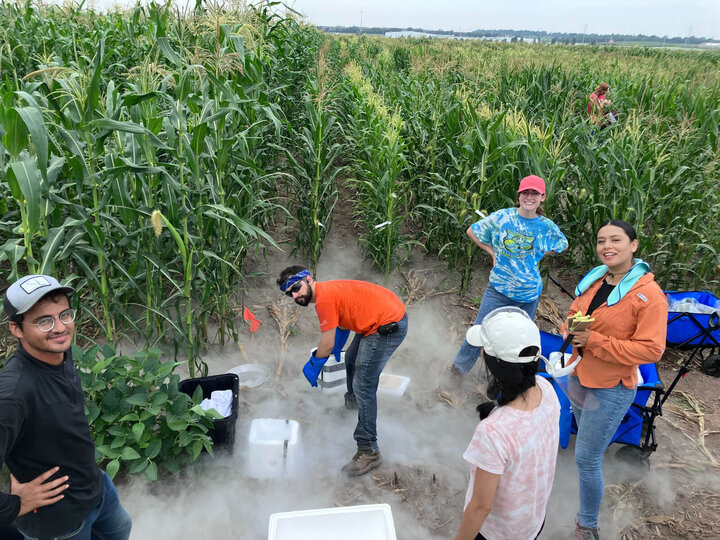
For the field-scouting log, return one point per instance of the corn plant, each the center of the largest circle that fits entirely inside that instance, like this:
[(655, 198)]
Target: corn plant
[(374, 135), (633, 170), (111, 125), (313, 167)]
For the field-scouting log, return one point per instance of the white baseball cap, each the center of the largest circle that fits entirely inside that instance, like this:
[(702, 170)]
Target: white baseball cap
[(504, 333)]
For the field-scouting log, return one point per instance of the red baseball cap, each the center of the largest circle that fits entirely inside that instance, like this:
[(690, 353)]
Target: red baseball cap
[(532, 182)]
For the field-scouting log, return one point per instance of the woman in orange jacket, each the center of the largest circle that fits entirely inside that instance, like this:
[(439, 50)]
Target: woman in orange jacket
[(630, 312)]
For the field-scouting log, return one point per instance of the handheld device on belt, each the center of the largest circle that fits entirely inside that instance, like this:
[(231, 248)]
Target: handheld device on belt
[(388, 328)]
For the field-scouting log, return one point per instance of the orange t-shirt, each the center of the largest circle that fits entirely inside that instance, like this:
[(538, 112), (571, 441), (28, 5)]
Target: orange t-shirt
[(356, 305)]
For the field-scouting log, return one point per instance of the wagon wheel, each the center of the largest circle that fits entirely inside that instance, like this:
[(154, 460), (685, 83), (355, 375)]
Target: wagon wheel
[(636, 459), (711, 365)]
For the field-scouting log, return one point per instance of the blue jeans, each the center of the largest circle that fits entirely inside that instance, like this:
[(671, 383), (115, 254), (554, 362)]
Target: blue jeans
[(596, 428), (492, 299), (365, 359), (107, 521)]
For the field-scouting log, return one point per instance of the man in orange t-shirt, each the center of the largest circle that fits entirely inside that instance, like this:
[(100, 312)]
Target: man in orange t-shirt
[(379, 320)]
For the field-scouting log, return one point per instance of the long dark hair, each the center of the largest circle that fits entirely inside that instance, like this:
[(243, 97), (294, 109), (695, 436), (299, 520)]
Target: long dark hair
[(511, 380), (628, 229), (624, 225)]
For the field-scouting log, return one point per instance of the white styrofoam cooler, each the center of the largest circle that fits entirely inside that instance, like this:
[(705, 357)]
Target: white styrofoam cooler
[(274, 448), (393, 385), (333, 377), (365, 522)]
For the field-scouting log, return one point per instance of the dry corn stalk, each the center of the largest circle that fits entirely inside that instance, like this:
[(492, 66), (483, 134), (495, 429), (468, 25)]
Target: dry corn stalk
[(451, 399), (285, 316), (548, 311), (416, 290), (699, 418)]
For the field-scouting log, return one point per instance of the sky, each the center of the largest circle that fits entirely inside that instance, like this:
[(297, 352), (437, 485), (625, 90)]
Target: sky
[(659, 17)]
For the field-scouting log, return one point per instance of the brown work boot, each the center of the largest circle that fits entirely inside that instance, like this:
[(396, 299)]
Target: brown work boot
[(585, 533), (362, 462)]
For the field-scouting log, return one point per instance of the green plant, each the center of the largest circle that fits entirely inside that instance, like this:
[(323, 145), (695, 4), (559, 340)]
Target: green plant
[(105, 118), (313, 167), (477, 117), (138, 418), (375, 140)]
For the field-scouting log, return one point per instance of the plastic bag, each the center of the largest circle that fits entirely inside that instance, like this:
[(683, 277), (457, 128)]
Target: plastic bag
[(691, 305), (579, 396)]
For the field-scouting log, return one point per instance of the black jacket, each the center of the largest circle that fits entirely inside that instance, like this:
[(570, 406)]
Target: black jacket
[(43, 424)]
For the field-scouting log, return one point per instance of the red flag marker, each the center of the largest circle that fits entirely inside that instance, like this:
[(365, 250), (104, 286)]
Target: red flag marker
[(254, 322)]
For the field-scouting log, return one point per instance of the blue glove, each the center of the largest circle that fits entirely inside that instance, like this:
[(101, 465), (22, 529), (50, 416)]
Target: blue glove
[(313, 367), (341, 337)]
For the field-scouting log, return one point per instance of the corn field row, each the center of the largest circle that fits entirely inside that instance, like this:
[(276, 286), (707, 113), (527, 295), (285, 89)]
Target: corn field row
[(145, 155), (477, 117), (141, 155)]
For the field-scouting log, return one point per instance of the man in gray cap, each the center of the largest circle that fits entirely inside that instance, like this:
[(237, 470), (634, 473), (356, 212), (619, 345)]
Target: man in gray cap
[(56, 487)]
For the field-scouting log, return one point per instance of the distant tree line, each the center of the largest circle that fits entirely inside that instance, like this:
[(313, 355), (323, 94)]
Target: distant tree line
[(548, 37)]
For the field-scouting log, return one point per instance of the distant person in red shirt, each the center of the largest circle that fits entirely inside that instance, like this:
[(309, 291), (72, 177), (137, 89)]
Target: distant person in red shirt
[(379, 320), (596, 109)]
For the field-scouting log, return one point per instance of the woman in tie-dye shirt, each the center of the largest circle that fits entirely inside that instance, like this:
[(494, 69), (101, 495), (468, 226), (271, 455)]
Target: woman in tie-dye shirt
[(516, 239)]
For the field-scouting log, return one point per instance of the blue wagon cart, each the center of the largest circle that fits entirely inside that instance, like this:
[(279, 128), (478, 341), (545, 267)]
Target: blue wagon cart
[(699, 332), (637, 429), (688, 331)]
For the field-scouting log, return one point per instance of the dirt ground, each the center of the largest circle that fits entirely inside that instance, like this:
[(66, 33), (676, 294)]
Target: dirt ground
[(679, 497)]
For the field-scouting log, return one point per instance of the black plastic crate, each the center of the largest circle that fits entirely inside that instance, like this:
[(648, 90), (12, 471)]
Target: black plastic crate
[(223, 431)]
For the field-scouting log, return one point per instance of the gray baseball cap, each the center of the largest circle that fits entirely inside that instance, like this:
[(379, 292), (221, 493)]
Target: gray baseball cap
[(22, 295)]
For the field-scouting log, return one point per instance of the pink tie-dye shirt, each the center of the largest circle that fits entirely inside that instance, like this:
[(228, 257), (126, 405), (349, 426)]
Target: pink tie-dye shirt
[(521, 447)]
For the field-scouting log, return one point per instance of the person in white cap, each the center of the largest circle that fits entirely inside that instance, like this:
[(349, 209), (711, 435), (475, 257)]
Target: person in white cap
[(56, 489), (513, 451), (517, 239)]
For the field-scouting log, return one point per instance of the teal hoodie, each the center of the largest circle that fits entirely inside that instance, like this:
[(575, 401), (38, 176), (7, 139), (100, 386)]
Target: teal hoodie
[(638, 270)]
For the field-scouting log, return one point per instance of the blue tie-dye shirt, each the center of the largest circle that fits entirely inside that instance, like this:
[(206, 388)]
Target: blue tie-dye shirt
[(518, 243)]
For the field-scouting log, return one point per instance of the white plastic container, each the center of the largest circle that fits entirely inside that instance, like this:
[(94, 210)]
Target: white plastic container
[(366, 522), (274, 448), (333, 378), (393, 385), (251, 375)]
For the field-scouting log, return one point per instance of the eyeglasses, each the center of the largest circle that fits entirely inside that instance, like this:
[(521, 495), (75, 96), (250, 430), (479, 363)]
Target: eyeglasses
[(530, 194), (295, 288), (47, 323)]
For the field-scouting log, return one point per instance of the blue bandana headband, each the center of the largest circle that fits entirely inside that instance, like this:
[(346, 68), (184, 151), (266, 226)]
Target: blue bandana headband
[(292, 280)]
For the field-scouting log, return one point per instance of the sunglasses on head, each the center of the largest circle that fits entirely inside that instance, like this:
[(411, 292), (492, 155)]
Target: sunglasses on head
[(295, 288)]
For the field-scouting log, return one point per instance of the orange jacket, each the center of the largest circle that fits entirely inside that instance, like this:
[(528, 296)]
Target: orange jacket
[(622, 336)]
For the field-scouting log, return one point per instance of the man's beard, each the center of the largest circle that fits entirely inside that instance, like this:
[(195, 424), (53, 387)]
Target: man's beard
[(304, 300)]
